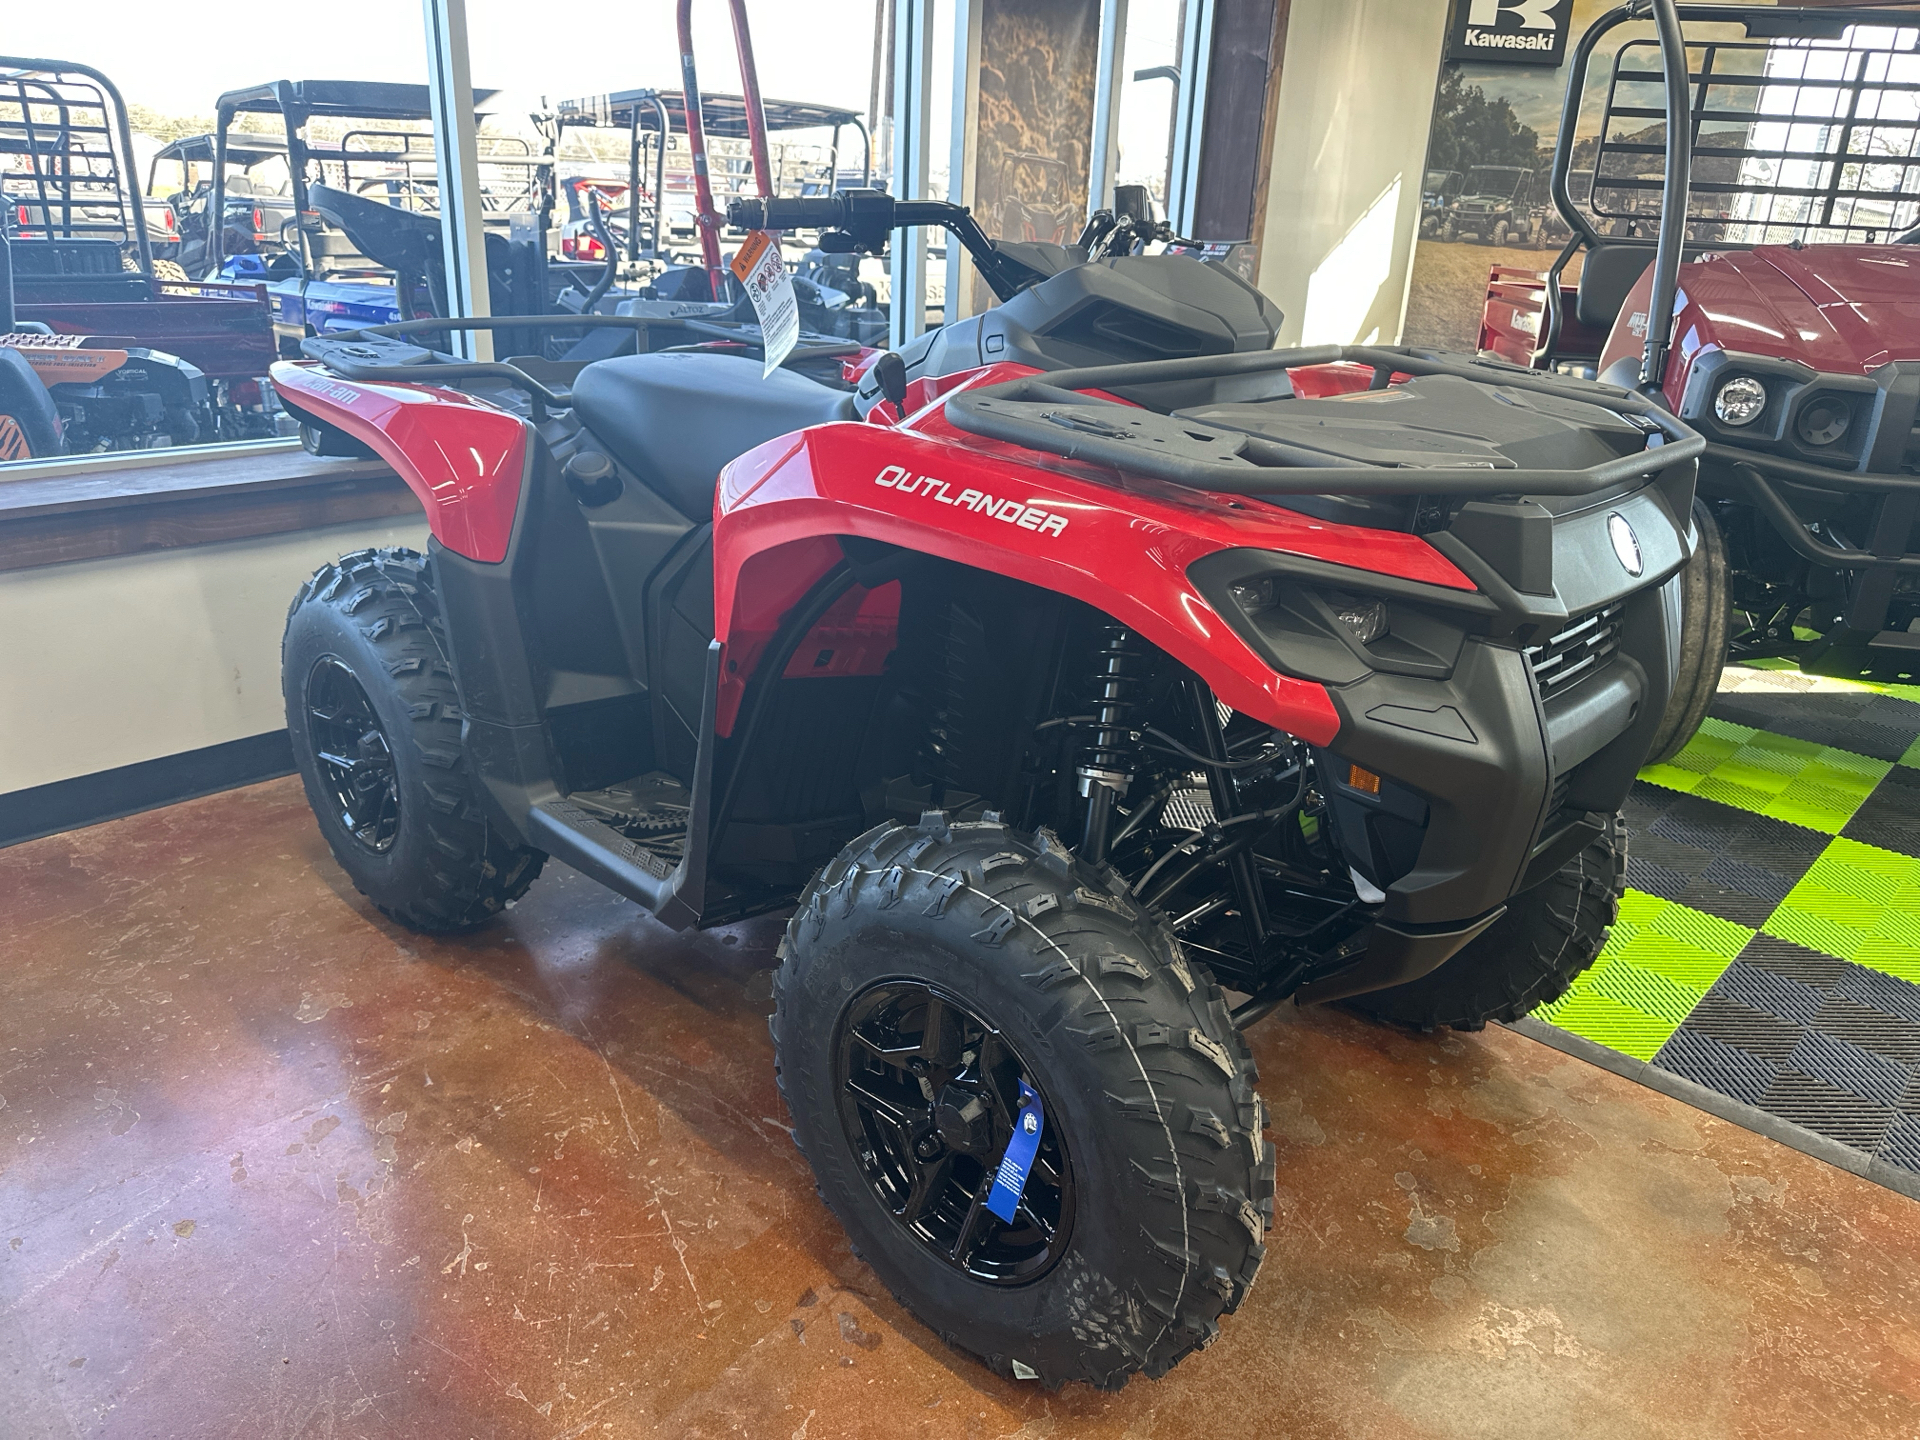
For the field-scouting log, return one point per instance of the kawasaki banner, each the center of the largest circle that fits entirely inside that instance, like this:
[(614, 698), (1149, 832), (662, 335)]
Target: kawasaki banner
[(1509, 32)]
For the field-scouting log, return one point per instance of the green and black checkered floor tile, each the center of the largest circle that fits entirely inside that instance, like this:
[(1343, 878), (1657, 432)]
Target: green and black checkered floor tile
[(1768, 949)]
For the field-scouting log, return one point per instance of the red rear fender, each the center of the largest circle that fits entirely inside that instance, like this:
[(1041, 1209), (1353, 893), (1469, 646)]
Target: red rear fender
[(464, 459)]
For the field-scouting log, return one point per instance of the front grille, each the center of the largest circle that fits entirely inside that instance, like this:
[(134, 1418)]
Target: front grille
[(1576, 650)]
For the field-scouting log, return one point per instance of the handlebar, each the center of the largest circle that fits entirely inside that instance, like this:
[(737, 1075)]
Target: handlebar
[(813, 212), (861, 221), (864, 214)]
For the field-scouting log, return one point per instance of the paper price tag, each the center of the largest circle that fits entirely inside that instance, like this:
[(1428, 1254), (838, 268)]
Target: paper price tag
[(760, 269)]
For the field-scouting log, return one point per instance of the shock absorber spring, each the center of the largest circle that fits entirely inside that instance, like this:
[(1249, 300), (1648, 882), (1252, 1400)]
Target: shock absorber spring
[(1107, 769)]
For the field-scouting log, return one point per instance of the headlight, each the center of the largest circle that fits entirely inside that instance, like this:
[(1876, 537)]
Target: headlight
[(1740, 401), (1824, 420), (1253, 596), (1333, 636), (1365, 617)]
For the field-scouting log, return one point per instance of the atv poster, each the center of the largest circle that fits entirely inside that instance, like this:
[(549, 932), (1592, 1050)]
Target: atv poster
[(1484, 197), (760, 267)]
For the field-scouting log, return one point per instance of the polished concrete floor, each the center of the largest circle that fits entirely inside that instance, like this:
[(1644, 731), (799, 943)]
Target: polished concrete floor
[(271, 1167)]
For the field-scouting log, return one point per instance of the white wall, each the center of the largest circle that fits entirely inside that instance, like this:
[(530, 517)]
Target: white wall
[(1349, 153), (110, 662)]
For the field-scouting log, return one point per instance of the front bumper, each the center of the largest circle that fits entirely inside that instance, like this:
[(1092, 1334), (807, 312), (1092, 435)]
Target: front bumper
[(1873, 467), (1467, 770), (1793, 496), (1484, 787)]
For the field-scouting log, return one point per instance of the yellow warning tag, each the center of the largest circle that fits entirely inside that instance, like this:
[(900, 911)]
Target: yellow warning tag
[(749, 254), (762, 272)]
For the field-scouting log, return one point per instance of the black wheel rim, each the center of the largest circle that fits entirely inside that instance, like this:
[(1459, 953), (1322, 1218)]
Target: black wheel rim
[(351, 753), (911, 1061)]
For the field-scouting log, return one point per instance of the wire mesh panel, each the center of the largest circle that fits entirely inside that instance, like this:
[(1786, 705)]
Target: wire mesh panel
[(59, 171), (398, 167), (1808, 139), (813, 166)]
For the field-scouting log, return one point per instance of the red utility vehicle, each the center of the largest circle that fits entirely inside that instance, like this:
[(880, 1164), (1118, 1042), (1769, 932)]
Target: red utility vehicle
[(1789, 206), (140, 360)]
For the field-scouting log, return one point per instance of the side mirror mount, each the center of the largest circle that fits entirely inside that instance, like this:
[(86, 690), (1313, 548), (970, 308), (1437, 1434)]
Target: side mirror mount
[(890, 373), (1133, 202)]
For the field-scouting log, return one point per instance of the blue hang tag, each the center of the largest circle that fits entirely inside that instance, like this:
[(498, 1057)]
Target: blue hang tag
[(1011, 1179)]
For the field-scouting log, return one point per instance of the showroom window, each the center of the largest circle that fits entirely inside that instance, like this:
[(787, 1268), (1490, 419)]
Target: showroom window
[(181, 215)]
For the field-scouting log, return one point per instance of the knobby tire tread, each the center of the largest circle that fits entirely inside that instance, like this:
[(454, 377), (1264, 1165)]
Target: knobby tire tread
[(1153, 1038), (467, 870), (1529, 957)]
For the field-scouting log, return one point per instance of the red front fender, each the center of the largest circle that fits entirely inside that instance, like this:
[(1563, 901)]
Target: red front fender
[(1121, 546)]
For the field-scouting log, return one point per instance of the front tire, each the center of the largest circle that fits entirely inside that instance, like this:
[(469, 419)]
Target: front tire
[(1157, 1199), (376, 728), (1526, 958), (1704, 617)]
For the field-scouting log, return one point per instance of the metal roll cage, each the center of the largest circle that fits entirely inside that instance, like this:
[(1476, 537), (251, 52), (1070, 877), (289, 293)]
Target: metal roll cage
[(1681, 139), (24, 71)]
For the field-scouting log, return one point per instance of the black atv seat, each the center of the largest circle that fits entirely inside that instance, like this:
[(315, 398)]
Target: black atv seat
[(1606, 276), (676, 419), (400, 240)]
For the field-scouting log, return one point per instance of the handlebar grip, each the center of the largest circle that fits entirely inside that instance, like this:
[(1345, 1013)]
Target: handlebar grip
[(784, 213)]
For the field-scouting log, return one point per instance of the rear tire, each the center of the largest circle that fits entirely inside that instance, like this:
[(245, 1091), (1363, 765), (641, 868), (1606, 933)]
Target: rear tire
[(1703, 640), (1526, 958), (329, 441), (1148, 1088), (376, 728)]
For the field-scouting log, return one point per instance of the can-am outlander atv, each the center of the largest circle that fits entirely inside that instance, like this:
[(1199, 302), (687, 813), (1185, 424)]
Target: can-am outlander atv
[(1088, 658)]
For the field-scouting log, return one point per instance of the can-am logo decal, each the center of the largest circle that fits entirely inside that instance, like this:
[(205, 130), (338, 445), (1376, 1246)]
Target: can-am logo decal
[(332, 389), (1626, 544), (1011, 512)]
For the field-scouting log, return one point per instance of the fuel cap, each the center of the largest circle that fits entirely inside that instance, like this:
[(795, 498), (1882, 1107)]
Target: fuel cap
[(591, 477)]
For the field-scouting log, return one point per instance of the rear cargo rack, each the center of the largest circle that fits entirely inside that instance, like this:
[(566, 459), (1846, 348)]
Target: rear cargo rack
[(1048, 413)]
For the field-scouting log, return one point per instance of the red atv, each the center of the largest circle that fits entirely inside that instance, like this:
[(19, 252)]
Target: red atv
[(1052, 699)]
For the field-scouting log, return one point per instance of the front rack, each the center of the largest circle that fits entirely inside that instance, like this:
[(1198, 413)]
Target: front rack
[(1048, 413), (1051, 415)]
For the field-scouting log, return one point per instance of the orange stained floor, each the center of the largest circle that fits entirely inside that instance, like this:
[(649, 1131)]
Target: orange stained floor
[(272, 1167)]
